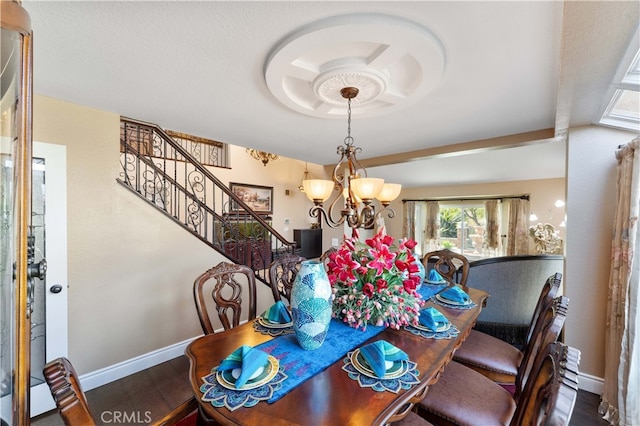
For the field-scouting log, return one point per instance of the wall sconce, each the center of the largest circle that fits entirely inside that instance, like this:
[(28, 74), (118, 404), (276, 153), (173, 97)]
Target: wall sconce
[(263, 156)]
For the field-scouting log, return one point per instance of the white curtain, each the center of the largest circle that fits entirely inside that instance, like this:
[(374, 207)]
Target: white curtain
[(432, 226), (409, 220), (518, 234), (492, 238), (621, 393)]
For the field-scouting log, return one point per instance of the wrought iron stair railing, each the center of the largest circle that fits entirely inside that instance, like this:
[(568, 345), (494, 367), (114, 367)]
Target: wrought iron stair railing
[(158, 169)]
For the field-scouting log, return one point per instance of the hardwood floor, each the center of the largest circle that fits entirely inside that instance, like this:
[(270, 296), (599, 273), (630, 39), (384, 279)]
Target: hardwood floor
[(159, 389), (142, 397)]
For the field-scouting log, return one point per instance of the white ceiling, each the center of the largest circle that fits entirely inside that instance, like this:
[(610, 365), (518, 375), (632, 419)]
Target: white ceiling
[(199, 68)]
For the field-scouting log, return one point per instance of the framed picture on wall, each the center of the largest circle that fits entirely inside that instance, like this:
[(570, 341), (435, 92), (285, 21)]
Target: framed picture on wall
[(257, 197)]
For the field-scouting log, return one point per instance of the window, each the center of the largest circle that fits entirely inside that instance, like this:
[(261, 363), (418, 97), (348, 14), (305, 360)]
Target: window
[(459, 225), (623, 107), (463, 228)]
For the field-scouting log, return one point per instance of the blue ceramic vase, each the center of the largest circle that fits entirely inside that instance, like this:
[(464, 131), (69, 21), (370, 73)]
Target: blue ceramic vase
[(311, 304), (422, 273)]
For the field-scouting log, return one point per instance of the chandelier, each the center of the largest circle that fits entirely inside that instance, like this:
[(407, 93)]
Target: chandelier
[(351, 182), (263, 156), (305, 176)]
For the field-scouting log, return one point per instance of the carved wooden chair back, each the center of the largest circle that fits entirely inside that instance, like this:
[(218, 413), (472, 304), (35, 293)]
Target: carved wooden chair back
[(550, 396), (547, 330), (72, 403), (324, 258), (282, 273), (549, 291), (453, 266), (229, 284)]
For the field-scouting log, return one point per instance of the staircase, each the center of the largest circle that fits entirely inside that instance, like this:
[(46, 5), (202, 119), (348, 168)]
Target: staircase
[(168, 177)]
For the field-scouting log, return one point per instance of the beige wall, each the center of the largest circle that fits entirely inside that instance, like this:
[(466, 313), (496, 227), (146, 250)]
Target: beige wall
[(591, 198), (131, 269)]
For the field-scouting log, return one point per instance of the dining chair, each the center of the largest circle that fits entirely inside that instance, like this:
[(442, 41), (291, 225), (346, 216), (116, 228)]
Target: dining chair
[(71, 401), (466, 397), (282, 273), (225, 281), (324, 257), (453, 266), (497, 359), (462, 396)]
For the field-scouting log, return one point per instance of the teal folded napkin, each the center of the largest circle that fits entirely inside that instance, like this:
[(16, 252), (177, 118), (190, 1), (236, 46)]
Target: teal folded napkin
[(277, 313), (456, 294), (432, 319), (376, 353), (435, 278), (246, 358)]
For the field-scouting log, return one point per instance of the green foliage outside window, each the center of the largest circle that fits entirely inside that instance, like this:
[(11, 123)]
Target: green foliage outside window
[(449, 222)]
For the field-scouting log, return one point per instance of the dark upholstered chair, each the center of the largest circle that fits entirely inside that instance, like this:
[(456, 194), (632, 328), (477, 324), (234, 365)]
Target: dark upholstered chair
[(514, 285), (495, 358), (226, 282), (462, 396), (72, 402), (282, 273), (453, 266)]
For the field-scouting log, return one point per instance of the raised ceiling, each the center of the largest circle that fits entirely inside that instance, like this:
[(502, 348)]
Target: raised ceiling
[(261, 75)]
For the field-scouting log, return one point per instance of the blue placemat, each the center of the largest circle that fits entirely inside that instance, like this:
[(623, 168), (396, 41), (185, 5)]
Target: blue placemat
[(451, 305), (450, 333), (270, 330), (405, 381), (220, 396)]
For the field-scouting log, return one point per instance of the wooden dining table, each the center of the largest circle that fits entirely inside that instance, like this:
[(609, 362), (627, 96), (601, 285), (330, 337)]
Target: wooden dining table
[(331, 397)]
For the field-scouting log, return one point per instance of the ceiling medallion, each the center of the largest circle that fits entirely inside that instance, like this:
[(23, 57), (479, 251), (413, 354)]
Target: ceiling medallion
[(391, 60), (370, 84)]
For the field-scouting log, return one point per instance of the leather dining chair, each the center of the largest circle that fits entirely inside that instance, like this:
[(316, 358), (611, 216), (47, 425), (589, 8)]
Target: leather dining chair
[(71, 401), (497, 359), (453, 266), (282, 273), (466, 397), (226, 282), (462, 396)]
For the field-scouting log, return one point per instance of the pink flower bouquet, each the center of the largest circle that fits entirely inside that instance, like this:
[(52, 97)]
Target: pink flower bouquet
[(375, 282)]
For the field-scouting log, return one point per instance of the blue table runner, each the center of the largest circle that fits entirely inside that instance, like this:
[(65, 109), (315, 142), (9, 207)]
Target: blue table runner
[(300, 365)]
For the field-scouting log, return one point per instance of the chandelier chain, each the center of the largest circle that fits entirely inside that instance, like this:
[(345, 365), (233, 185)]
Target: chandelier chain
[(348, 140)]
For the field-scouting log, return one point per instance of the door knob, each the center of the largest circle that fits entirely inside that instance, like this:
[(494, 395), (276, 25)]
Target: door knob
[(37, 270)]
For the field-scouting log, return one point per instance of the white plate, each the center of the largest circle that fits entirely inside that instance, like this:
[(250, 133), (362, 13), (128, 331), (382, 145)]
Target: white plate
[(394, 369), (451, 302), (439, 330), (262, 376), (266, 323)]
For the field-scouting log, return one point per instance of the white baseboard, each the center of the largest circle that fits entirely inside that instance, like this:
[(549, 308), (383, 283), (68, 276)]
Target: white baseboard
[(590, 383), (125, 368)]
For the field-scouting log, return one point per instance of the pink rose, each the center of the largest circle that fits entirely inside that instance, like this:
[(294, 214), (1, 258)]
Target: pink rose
[(367, 290)]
